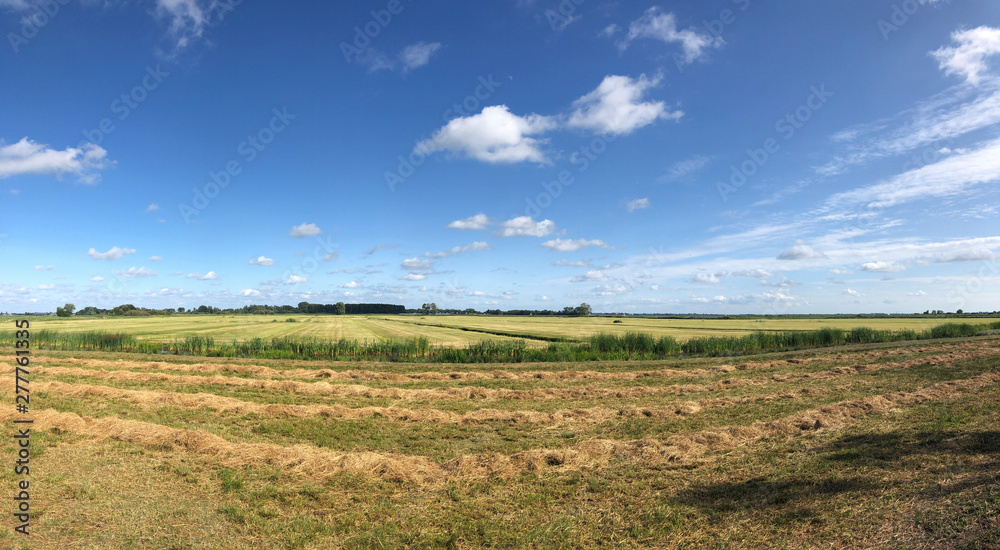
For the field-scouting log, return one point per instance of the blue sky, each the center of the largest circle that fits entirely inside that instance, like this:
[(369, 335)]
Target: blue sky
[(726, 156)]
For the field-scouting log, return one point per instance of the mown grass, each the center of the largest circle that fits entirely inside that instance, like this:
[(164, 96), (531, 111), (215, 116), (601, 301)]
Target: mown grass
[(920, 476)]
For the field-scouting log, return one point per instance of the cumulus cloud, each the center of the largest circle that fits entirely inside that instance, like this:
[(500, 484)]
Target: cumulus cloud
[(331, 256), (29, 157), (304, 230), (249, 292), (522, 226), (296, 279), (852, 292), (414, 276), (882, 267), (97, 279), (637, 204), (705, 278), (616, 106), (152, 207), (136, 272), (799, 251), (352, 284), (495, 135), (210, 276), (262, 260), (114, 253), (44, 267), (968, 58), (477, 222), (572, 245), (656, 25), (417, 264)]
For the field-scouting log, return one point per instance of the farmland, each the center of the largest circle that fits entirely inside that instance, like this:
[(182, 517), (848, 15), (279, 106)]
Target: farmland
[(889, 445), (452, 330)]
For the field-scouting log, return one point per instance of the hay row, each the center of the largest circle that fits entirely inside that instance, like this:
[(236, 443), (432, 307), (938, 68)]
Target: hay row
[(310, 461), (594, 415), (472, 392)]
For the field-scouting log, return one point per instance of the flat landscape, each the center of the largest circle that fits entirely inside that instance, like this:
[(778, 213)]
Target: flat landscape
[(889, 445), (452, 330)]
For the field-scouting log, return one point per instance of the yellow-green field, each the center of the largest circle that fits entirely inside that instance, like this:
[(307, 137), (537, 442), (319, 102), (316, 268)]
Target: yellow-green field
[(868, 446), (446, 329)]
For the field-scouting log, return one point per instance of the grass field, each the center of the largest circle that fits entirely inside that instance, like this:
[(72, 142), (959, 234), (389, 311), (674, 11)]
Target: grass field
[(878, 445), (448, 330)]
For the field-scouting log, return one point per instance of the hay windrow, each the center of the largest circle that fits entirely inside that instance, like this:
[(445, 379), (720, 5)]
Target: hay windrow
[(310, 461)]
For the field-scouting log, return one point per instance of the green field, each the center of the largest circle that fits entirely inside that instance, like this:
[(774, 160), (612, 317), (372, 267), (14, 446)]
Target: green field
[(447, 330)]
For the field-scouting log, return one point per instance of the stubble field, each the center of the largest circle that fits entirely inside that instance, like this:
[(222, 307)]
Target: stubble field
[(882, 445)]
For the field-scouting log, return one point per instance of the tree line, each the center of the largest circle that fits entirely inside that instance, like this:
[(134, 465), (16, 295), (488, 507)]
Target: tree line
[(339, 308)]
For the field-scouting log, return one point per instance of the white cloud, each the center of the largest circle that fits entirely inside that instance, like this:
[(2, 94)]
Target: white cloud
[(852, 292), (352, 284), (28, 157), (414, 276), (478, 245), (261, 260), (755, 273), (210, 276), (152, 207), (975, 255), (417, 264), (637, 204), (578, 263), (418, 55), (949, 177), (494, 135), (46, 287), (114, 253), (136, 272), (663, 26), (525, 226), (917, 293), (799, 251), (250, 292), (96, 279), (590, 276), (187, 19), (572, 245), (882, 267), (706, 278), (686, 167), (154, 259), (331, 256), (304, 230), (477, 222), (44, 267), (296, 279), (968, 58), (616, 106)]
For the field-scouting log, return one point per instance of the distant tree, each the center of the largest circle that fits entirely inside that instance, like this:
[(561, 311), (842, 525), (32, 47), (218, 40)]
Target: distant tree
[(959, 311), (583, 309), (180, 310), (339, 308), (303, 307), (70, 308)]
